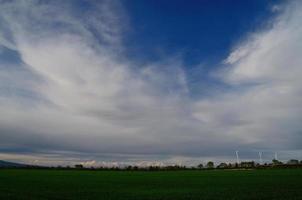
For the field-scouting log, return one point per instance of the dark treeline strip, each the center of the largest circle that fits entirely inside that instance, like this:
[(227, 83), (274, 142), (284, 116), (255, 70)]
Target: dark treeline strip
[(209, 166)]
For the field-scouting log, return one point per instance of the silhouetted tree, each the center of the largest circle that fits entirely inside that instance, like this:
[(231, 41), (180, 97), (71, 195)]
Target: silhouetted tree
[(222, 166), (79, 166), (210, 165), (200, 166), (248, 164), (293, 162), (276, 162)]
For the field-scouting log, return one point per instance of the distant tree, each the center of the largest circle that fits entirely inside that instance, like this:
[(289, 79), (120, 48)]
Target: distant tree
[(300, 161), (79, 166), (200, 166), (248, 164), (151, 168), (293, 162), (222, 166), (210, 165), (276, 162)]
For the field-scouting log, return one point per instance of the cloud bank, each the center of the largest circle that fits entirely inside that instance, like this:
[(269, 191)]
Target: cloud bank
[(70, 88)]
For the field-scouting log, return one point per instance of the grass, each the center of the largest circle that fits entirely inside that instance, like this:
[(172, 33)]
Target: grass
[(216, 184)]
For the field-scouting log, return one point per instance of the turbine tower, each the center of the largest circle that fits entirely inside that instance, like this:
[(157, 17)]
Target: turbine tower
[(260, 157), (237, 157)]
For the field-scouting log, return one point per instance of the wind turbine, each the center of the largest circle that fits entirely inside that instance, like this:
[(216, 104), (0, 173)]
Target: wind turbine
[(237, 156), (260, 157)]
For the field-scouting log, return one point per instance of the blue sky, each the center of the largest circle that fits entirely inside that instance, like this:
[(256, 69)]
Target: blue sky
[(202, 31), (149, 82)]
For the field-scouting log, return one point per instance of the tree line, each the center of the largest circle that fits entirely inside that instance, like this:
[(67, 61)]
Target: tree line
[(292, 163)]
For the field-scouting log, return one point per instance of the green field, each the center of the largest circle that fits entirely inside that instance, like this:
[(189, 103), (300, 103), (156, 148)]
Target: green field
[(215, 184)]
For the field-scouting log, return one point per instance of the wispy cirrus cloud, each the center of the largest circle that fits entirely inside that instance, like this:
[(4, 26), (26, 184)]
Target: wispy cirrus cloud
[(263, 72)]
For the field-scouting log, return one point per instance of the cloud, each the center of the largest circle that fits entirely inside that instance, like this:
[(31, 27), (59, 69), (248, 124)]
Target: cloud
[(75, 91), (264, 72), (83, 95)]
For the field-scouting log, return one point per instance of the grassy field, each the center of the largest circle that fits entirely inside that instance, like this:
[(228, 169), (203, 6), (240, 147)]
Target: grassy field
[(216, 184)]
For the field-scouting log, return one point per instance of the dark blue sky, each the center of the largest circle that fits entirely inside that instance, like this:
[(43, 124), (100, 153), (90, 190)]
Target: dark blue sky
[(201, 31)]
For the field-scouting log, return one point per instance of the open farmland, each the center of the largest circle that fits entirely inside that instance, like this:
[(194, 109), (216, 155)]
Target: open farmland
[(212, 184)]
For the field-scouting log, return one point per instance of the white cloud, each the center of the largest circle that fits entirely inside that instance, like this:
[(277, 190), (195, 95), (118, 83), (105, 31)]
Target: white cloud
[(86, 90), (264, 71)]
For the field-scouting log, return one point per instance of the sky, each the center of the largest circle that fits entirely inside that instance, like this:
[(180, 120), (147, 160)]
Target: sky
[(149, 82)]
